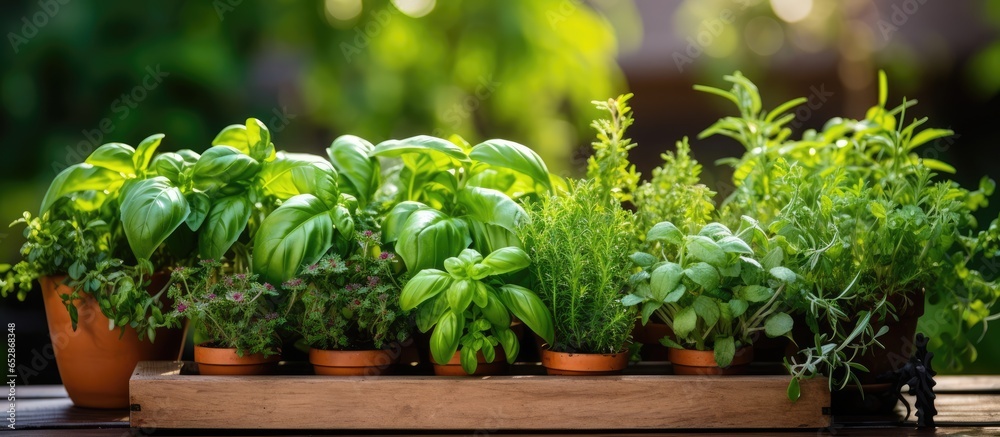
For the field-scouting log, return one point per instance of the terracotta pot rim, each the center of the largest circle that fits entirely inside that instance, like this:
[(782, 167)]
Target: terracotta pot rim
[(456, 360), (698, 358), (351, 358), (585, 363), (226, 356)]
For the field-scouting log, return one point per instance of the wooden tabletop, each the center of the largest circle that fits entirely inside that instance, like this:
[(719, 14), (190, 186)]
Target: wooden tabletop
[(967, 405)]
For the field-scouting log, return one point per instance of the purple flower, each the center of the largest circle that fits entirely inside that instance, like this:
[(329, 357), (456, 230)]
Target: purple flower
[(333, 262), (352, 287), (293, 283), (211, 296), (181, 307), (228, 281), (271, 316), (269, 287), (368, 233), (241, 276), (385, 255), (373, 281), (238, 297), (312, 268)]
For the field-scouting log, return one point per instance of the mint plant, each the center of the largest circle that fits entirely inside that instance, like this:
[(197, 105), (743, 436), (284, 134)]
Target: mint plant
[(713, 288)]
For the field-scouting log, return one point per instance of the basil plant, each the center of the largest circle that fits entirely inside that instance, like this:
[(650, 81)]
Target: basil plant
[(449, 196), (469, 307)]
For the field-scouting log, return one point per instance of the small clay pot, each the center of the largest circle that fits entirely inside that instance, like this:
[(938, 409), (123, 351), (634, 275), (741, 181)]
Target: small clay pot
[(352, 363), (454, 366), (565, 363), (225, 361), (694, 362)]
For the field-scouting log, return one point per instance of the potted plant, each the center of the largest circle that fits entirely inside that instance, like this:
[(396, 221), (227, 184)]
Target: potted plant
[(715, 292), (469, 308), (102, 300), (877, 236), (348, 311), (580, 244), (238, 316)]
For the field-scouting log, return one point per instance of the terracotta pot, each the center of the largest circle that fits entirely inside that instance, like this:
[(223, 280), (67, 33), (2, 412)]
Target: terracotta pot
[(649, 335), (694, 362), (225, 361), (95, 364), (454, 366), (565, 363), (352, 363)]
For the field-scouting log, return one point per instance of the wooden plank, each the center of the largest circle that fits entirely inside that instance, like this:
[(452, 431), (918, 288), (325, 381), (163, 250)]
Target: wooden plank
[(967, 384), (164, 398)]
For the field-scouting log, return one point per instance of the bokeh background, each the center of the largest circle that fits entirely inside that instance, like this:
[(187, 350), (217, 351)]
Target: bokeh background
[(77, 74)]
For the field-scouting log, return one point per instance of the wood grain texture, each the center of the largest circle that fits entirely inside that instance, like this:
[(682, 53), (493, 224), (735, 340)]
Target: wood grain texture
[(164, 398)]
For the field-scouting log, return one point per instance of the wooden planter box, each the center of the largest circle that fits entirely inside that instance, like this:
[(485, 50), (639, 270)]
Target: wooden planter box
[(170, 395)]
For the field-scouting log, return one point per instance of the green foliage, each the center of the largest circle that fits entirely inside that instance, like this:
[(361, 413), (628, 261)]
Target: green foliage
[(715, 289), (609, 166), (873, 226), (450, 196), (580, 246), (352, 304), (235, 310), (469, 307), (675, 194)]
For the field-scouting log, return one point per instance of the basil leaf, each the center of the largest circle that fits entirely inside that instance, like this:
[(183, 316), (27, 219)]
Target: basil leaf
[(298, 232), (513, 156), (226, 220), (151, 210)]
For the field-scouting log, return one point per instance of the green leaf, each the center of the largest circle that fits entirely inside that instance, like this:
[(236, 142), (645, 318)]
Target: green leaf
[(488, 238), (235, 136), (151, 210), (259, 140), (506, 260), (468, 359), (291, 174), (431, 310), (358, 173), (754, 293), (794, 390), (513, 156), (725, 350), (422, 286), (664, 280), (429, 237), (508, 340), (706, 308), (778, 324), (631, 299), (737, 307), (733, 244), (144, 152), (705, 249), (116, 157), (784, 274), (648, 309), (173, 166), (445, 153), (704, 275), (676, 294), (298, 232), (220, 165), (665, 231), (715, 230), (81, 177), (685, 321), (530, 309), (226, 220), (200, 204), (394, 221), (459, 294), (643, 259), (446, 335), (495, 311), (668, 342), (491, 206)]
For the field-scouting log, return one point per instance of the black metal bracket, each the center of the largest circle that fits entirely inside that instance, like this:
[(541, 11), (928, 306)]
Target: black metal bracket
[(918, 374)]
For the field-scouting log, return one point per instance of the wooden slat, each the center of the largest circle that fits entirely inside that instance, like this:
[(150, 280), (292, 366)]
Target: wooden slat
[(60, 412), (164, 398), (967, 384)]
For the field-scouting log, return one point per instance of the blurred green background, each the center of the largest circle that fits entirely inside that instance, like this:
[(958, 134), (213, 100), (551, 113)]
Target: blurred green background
[(77, 74)]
